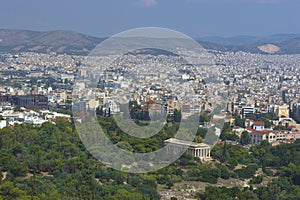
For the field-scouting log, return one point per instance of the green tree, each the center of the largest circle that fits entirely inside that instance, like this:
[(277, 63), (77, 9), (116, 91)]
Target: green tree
[(169, 184), (10, 192), (126, 195), (17, 168), (238, 121), (257, 180), (245, 138), (177, 116)]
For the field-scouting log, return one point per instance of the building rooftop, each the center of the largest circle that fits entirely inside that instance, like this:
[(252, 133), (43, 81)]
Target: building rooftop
[(186, 143), (259, 123)]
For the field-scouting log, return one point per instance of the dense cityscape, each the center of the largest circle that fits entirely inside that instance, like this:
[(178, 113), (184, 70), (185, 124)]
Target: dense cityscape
[(150, 100), (268, 86), (261, 108)]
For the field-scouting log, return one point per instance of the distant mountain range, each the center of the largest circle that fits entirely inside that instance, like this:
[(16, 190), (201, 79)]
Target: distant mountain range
[(248, 40), (279, 43), (71, 42), (53, 41)]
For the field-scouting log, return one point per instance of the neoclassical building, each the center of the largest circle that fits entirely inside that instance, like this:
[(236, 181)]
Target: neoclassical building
[(199, 150)]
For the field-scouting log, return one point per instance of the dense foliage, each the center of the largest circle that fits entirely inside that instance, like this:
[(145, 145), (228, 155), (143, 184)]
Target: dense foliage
[(283, 159), (50, 162)]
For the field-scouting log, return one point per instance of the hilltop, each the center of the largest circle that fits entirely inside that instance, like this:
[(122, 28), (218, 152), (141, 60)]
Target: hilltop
[(70, 42)]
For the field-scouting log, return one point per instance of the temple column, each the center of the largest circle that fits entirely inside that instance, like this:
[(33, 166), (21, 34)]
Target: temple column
[(201, 153)]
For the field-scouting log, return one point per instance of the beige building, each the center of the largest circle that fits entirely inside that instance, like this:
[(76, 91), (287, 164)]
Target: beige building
[(93, 104), (199, 150), (283, 111), (269, 135)]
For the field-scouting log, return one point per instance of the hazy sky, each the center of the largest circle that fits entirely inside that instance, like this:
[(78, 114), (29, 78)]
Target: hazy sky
[(192, 17)]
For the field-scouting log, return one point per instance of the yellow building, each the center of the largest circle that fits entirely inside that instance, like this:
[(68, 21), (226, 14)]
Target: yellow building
[(283, 111)]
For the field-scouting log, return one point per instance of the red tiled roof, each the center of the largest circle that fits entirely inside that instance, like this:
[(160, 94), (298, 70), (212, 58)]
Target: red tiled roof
[(259, 124), (263, 132), (219, 142), (151, 102)]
